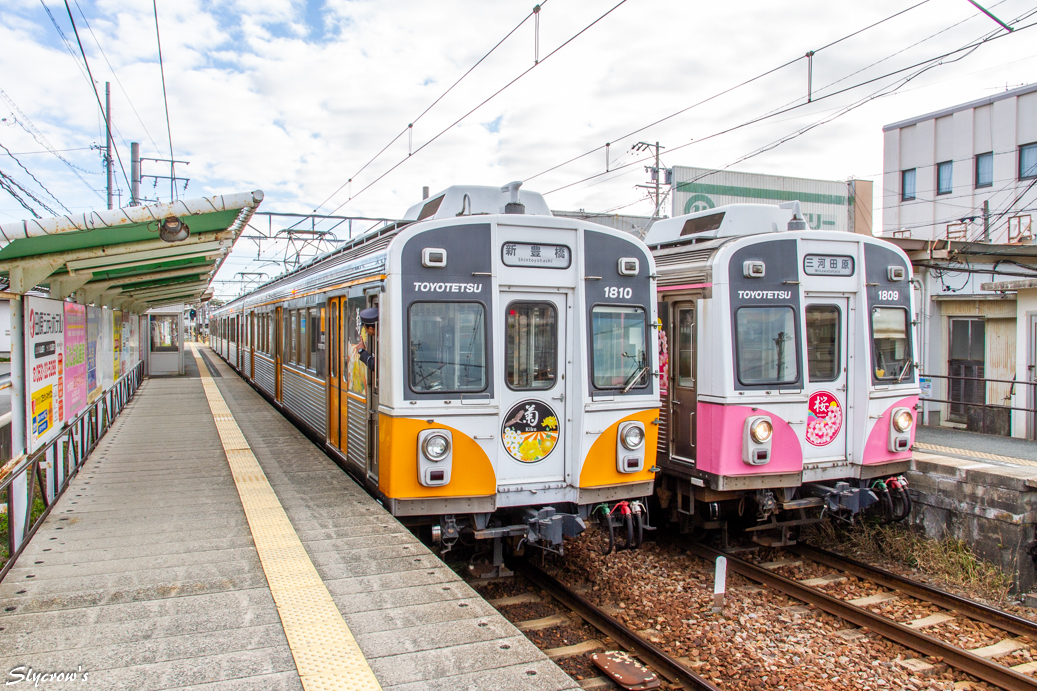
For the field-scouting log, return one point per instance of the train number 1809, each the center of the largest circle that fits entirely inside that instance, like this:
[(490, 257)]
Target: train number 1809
[(622, 293), (891, 295)]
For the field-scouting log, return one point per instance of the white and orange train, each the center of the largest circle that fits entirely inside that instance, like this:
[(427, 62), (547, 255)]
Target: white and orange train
[(787, 370), (513, 395)]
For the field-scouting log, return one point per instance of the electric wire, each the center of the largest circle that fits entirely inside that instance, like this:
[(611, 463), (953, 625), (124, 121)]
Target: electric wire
[(726, 91), (36, 179), (165, 100), (8, 180), (97, 96), (433, 104), (484, 102)]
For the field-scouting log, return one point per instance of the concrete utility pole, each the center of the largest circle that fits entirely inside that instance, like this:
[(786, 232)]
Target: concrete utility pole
[(134, 174), (108, 132), (986, 220), (658, 172)]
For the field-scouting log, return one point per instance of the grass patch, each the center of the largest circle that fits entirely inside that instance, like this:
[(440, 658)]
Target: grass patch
[(948, 560), (4, 554)]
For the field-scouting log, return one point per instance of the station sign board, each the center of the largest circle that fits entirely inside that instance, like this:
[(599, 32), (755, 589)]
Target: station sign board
[(45, 367)]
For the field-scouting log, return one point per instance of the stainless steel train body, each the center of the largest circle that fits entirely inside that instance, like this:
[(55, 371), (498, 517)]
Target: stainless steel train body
[(514, 388), (788, 365)]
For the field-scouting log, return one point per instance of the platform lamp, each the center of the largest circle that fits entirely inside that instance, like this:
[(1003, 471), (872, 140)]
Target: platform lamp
[(172, 229)]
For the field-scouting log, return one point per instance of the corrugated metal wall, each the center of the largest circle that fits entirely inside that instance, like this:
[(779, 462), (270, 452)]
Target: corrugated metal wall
[(304, 398), (357, 431), (265, 375)]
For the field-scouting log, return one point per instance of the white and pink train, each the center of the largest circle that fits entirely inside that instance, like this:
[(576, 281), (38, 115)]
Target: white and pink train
[(787, 370)]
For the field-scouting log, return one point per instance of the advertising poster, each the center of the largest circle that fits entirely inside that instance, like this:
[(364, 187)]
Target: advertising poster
[(45, 363), (93, 334), (75, 359), (116, 344), (126, 350), (106, 372)]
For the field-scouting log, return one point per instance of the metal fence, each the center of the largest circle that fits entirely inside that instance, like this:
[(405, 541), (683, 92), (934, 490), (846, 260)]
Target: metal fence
[(30, 489), (967, 398)]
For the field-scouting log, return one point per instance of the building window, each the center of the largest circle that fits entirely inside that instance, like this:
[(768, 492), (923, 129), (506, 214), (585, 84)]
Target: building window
[(945, 177), (907, 185), (985, 170), (1028, 161)]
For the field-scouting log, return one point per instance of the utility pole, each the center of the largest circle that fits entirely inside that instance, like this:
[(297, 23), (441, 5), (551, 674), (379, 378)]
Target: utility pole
[(108, 131), (986, 220), (134, 174), (658, 199), (656, 172)]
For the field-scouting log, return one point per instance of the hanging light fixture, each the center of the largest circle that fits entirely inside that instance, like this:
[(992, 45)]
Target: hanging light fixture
[(172, 229)]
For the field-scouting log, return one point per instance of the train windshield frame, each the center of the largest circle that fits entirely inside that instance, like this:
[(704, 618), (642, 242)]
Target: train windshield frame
[(890, 336), (619, 347), (448, 347), (763, 359), (824, 342)]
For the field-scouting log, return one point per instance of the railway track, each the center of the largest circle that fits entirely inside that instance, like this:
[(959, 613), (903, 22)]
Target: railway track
[(665, 666), (978, 662)]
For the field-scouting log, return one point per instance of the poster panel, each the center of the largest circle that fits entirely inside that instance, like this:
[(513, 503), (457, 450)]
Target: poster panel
[(125, 351), (93, 335), (45, 362), (75, 359), (104, 350), (116, 344)]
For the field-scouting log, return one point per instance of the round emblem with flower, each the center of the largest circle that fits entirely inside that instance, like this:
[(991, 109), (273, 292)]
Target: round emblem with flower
[(530, 431), (824, 418)]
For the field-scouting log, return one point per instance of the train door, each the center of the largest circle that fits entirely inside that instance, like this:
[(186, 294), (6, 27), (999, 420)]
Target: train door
[(372, 403), (334, 372), (534, 392), (827, 394), (683, 389), (280, 333)]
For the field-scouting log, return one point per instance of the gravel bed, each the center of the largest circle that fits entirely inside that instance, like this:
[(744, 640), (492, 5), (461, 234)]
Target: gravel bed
[(558, 636), (762, 639), (580, 668), (528, 610), (502, 588)]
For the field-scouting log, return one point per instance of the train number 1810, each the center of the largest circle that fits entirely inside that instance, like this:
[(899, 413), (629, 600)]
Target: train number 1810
[(622, 293)]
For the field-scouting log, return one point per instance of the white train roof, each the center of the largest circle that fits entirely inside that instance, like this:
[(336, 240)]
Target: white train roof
[(731, 220), (475, 199)]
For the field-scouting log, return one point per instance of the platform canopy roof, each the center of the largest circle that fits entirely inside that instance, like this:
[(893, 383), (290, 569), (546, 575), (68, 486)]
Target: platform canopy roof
[(117, 258)]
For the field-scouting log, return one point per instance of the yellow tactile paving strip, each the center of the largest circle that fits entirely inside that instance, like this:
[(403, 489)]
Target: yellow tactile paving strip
[(326, 654), (974, 454)]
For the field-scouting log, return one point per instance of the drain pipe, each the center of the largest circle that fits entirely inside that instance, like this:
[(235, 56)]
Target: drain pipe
[(923, 323)]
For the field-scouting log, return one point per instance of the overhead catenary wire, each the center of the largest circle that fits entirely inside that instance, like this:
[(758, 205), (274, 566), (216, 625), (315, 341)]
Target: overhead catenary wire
[(8, 181), (93, 84), (410, 126), (37, 180), (165, 101), (484, 102)]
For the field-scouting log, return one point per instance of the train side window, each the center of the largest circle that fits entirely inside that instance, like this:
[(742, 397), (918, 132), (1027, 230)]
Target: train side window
[(765, 341), (824, 331), (620, 359), (531, 346), (317, 340), (447, 347), (889, 343), (333, 342), (686, 348), (303, 340), (286, 355)]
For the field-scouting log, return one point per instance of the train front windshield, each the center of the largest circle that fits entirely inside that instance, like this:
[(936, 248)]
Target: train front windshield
[(767, 345), (890, 344), (447, 347), (620, 359)]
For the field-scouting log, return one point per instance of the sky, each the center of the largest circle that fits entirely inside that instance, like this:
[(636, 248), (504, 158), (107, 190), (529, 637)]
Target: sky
[(297, 98)]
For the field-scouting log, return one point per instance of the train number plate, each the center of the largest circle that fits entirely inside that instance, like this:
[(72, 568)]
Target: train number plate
[(828, 265)]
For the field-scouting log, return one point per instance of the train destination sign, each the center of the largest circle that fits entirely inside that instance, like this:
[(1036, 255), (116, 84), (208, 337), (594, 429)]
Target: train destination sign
[(536, 256), (827, 265)]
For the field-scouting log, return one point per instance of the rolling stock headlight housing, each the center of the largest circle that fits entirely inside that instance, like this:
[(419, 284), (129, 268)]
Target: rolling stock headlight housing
[(761, 431), (901, 422), (436, 447), (757, 436), (633, 436), (630, 447), (435, 457)]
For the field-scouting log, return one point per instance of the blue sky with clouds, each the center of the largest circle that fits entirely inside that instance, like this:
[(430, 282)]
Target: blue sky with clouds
[(295, 97)]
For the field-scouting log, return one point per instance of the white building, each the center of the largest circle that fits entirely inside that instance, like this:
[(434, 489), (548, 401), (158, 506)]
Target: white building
[(939, 170), (959, 192)]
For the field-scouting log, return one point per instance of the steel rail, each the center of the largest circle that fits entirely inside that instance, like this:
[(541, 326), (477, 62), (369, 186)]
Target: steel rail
[(650, 654), (970, 608), (958, 658)]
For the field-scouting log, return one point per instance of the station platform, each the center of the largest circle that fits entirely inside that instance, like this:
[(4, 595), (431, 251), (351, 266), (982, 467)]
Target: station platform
[(207, 544)]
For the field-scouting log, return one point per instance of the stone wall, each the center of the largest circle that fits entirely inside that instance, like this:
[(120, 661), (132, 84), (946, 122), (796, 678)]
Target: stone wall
[(992, 508)]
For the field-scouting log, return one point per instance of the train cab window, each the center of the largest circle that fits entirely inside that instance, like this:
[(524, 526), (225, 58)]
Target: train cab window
[(889, 343), (823, 341), (447, 347), (620, 359), (686, 348), (765, 339), (531, 348)]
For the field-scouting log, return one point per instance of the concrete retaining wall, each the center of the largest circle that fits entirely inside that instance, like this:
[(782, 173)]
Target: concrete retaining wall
[(992, 508)]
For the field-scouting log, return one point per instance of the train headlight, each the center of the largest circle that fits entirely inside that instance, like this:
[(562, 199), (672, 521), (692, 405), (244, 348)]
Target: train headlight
[(436, 447), (633, 437), (902, 420), (761, 431)]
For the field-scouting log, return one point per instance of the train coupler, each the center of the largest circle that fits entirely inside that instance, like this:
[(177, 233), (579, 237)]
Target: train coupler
[(843, 499)]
